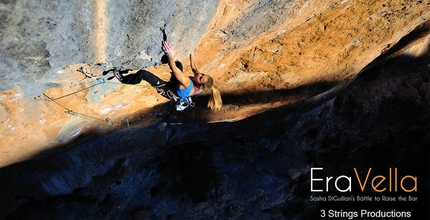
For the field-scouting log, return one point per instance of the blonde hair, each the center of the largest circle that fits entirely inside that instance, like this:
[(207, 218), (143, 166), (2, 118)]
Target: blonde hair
[(215, 101)]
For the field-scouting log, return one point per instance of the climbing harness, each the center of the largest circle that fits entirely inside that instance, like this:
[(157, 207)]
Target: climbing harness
[(184, 103), (180, 103)]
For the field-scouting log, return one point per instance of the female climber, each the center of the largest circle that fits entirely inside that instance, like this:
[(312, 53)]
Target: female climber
[(180, 87)]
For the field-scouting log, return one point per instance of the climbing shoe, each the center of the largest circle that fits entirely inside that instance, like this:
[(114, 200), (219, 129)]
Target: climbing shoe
[(118, 75)]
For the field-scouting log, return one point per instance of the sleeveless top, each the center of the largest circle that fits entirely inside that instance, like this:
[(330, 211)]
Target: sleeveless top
[(183, 93)]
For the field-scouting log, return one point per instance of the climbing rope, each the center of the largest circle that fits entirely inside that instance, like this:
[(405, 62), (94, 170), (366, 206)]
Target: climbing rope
[(99, 82), (70, 111), (73, 92)]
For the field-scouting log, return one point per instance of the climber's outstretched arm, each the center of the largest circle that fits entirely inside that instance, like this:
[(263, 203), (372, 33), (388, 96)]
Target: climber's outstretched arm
[(184, 80), (193, 64)]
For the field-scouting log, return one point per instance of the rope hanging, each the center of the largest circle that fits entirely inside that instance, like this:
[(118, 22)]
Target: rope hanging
[(70, 111), (99, 82)]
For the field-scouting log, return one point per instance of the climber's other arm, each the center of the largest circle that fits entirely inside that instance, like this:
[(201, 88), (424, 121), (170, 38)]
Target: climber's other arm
[(184, 80)]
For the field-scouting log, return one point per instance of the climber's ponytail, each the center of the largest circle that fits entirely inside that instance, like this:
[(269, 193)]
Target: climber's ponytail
[(215, 101)]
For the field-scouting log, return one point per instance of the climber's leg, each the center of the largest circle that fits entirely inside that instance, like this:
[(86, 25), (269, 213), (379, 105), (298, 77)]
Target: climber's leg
[(128, 79), (152, 79)]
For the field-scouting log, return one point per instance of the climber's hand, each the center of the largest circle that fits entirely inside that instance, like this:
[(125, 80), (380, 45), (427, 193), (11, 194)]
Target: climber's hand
[(168, 49)]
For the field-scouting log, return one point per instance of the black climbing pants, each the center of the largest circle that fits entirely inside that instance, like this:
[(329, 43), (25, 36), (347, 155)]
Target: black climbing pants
[(142, 75), (152, 79)]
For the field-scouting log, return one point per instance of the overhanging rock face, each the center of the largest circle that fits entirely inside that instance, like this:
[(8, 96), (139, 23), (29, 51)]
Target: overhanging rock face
[(262, 55)]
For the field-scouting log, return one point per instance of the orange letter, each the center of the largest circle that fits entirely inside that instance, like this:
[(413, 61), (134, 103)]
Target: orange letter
[(410, 190), (375, 187), (362, 186)]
